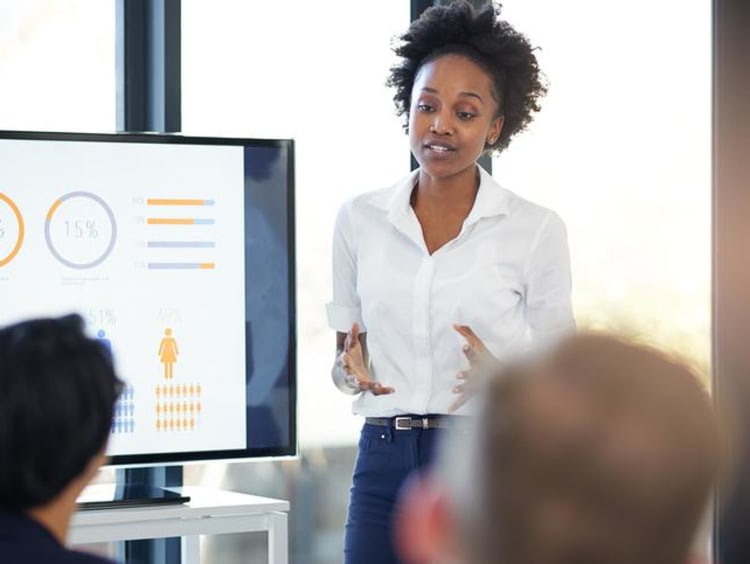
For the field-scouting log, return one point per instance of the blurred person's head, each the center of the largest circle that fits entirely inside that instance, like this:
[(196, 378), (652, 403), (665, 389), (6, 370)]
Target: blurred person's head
[(603, 451), (57, 393)]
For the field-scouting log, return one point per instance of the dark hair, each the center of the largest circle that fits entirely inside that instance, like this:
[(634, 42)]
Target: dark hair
[(57, 393), (479, 34)]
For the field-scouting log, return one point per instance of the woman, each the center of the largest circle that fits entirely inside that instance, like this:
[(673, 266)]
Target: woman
[(443, 254)]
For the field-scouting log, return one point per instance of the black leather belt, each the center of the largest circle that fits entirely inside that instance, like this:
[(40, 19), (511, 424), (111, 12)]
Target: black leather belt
[(408, 422)]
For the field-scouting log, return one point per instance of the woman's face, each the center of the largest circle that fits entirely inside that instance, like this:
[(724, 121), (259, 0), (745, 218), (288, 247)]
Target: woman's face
[(452, 115)]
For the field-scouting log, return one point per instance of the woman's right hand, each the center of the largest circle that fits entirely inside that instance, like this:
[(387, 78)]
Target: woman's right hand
[(481, 363), (352, 359)]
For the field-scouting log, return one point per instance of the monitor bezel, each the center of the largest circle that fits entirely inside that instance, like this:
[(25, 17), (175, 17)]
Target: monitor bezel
[(234, 455)]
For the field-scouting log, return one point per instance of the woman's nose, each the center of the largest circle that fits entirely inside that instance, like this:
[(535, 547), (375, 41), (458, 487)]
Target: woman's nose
[(442, 124)]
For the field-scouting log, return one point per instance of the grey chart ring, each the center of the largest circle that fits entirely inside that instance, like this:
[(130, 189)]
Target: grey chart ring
[(112, 239)]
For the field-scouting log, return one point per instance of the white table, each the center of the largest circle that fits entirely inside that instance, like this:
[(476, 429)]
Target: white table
[(207, 512)]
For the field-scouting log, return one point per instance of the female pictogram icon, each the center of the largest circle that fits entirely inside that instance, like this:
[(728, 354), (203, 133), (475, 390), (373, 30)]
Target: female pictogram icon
[(168, 353)]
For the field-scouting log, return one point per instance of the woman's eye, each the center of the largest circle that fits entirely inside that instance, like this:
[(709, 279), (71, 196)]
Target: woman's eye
[(465, 115), (422, 107)]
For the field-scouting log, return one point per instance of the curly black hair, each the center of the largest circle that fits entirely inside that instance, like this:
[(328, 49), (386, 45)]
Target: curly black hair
[(480, 35)]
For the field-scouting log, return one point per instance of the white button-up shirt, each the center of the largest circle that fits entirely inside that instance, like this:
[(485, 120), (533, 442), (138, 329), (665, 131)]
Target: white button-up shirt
[(506, 275)]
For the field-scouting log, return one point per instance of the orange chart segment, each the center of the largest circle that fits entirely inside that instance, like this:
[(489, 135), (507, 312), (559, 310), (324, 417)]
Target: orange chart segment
[(11, 230)]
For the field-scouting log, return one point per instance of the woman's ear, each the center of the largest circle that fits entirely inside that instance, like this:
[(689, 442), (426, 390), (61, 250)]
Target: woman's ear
[(424, 525), (496, 127)]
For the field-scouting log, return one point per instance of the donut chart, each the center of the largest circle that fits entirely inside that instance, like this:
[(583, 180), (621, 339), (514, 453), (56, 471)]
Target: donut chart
[(80, 230), (11, 237)]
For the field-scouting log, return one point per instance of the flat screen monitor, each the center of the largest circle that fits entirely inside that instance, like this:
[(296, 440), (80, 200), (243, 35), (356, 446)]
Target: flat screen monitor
[(179, 254)]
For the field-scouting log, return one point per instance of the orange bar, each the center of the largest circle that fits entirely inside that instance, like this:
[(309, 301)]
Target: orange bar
[(174, 202), (51, 211), (169, 221), (207, 265)]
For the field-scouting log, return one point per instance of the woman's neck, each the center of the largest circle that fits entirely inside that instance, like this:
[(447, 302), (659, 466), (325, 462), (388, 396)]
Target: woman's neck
[(456, 193)]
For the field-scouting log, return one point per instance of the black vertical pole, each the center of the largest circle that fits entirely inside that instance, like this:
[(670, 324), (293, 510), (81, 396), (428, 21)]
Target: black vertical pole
[(731, 264), (148, 99), (149, 65)]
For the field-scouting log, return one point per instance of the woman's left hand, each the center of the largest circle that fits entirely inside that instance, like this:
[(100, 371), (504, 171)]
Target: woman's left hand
[(480, 360)]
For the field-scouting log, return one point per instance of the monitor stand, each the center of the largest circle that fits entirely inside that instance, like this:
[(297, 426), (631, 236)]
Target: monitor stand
[(112, 496)]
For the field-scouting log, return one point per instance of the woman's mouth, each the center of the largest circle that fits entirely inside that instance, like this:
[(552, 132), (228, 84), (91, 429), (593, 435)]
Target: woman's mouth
[(439, 149)]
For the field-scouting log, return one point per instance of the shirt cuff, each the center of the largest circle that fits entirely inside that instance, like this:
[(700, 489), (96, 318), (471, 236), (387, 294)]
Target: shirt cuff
[(341, 318)]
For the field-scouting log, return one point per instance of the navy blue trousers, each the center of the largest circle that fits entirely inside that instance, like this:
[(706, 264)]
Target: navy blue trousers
[(386, 457)]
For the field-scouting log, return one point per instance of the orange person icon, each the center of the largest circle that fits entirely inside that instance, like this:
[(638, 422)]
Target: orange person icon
[(168, 353)]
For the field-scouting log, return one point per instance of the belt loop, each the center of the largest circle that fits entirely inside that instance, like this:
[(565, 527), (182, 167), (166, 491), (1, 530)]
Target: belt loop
[(389, 433)]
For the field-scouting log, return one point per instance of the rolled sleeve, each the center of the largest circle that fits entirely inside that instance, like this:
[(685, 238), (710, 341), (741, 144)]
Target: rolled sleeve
[(344, 309), (341, 318), (548, 291)]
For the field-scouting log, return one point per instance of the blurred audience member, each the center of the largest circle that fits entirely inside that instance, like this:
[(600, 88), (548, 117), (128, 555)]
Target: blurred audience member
[(602, 452), (57, 393)]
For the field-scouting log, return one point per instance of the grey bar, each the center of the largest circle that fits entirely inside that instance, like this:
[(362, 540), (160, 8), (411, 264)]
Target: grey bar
[(181, 244), (173, 265)]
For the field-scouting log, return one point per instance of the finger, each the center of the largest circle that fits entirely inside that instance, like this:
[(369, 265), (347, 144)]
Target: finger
[(369, 385), (463, 330), (464, 374), (457, 404), (380, 390), (471, 354), (351, 380), (458, 388), (471, 338)]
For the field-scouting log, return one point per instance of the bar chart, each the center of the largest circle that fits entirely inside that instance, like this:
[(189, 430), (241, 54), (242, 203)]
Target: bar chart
[(180, 227)]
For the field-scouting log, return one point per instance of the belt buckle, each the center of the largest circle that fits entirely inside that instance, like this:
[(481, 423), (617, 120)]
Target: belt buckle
[(403, 423)]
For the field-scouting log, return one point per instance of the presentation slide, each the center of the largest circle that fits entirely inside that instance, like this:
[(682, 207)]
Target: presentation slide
[(146, 243)]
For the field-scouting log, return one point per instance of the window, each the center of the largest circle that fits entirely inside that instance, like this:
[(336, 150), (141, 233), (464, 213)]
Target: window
[(57, 65), (622, 151), (293, 69)]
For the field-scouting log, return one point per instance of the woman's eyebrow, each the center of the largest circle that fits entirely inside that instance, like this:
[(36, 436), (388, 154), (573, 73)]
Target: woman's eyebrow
[(467, 93)]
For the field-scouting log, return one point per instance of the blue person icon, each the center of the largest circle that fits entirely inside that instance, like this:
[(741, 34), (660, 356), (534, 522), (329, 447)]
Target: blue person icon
[(101, 336)]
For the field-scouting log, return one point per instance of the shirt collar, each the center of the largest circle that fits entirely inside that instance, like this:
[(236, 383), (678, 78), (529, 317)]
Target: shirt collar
[(492, 199)]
